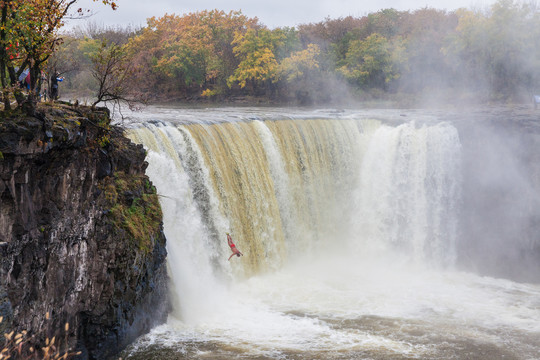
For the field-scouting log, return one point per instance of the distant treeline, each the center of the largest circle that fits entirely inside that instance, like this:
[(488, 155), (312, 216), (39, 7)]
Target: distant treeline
[(490, 54)]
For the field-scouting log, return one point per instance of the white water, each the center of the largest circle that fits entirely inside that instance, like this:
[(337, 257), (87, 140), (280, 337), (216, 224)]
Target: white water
[(353, 260)]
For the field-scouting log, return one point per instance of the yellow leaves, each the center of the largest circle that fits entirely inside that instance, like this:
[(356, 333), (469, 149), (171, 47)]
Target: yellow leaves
[(300, 62), (50, 342), (35, 23), (370, 61), (89, 47), (208, 93), (194, 48), (15, 345), (256, 39), (256, 49), (109, 2), (261, 65)]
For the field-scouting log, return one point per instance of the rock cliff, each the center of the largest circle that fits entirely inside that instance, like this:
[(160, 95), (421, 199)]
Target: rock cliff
[(81, 237)]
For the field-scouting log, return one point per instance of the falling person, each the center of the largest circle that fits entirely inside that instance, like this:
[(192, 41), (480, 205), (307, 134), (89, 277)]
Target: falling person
[(233, 247)]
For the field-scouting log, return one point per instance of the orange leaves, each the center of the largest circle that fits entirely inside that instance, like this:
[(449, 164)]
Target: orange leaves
[(195, 48), (109, 2), (35, 23)]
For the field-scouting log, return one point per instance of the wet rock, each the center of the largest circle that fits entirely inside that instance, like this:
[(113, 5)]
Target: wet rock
[(62, 250), (6, 311), (104, 167)]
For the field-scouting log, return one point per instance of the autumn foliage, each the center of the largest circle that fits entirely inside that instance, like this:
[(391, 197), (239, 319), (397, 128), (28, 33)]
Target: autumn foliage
[(28, 37), (486, 54), (490, 53)]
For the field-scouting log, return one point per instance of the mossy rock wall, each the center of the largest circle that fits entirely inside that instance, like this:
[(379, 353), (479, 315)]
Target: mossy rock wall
[(81, 235)]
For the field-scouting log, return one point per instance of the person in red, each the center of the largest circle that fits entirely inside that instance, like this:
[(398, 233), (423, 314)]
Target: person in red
[(233, 247)]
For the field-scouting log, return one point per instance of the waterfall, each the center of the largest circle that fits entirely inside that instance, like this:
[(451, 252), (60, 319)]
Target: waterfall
[(287, 189), (409, 192)]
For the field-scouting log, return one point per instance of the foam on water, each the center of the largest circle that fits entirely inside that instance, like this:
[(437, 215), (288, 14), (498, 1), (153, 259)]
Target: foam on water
[(305, 308)]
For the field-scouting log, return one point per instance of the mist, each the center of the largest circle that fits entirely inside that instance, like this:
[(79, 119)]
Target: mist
[(500, 219), (415, 58), (433, 58)]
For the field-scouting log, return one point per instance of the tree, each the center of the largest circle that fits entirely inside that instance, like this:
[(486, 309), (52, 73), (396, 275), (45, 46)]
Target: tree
[(145, 50), (114, 74), (300, 64), (9, 51), (369, 62), (497, 51), (386, 22), (256, 49), (511, 40), (191, 52), (66, 59), (333, 37), (32, 26), (330, 31), (426, 32), (301, 73)]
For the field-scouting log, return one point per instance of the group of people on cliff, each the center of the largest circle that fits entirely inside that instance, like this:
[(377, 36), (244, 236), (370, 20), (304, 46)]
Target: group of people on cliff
[(25, 79)]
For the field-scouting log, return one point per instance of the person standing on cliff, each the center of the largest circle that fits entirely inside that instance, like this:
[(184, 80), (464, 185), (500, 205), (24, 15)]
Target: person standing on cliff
[(55, 78), (233, 247)]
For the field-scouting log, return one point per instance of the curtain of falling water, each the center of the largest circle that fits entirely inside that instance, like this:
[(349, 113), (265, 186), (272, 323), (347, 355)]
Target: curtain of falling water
[(286, 188)]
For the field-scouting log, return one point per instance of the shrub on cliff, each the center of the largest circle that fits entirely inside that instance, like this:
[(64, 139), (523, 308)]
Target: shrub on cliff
[(135, 212), (15, 346)]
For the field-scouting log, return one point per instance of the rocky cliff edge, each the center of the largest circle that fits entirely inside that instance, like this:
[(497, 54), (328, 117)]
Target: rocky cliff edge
[(81, 237)]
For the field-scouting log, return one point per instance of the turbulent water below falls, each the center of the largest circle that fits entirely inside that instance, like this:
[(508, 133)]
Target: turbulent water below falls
[(349, 225)]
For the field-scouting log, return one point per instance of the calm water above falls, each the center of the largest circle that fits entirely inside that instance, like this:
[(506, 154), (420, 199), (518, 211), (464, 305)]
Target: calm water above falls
[(350, 226)]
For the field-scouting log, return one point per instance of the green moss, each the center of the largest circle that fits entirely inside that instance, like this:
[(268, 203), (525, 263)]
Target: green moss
[(121, 182), (149, 187), (139, 216), (110, 192), (104, 141), (100, 118)]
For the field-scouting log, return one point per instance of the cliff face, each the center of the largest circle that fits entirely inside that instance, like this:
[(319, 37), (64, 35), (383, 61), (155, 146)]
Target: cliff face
[(81, 236)]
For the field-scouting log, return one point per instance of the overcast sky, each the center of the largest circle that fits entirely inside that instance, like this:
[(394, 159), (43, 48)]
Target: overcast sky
[(273, 13)]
